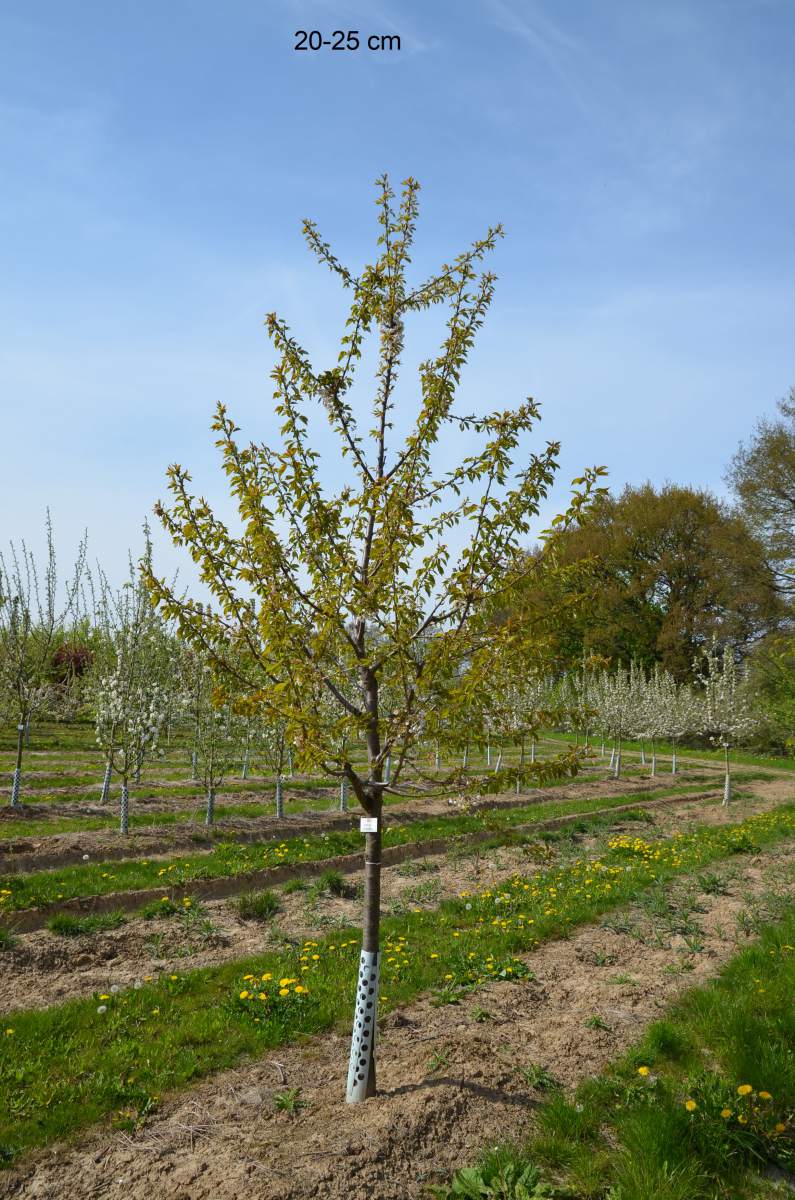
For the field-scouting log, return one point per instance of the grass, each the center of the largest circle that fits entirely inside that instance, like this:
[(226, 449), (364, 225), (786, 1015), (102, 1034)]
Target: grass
[(20, 891), (683, 753), (701, 1107), (68, 1066), (257, 906), (66, 925)]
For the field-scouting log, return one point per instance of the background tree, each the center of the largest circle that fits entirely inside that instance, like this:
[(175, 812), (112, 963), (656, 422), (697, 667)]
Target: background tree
[(336, 591), (762, 476), (669, 570), (32, 617)]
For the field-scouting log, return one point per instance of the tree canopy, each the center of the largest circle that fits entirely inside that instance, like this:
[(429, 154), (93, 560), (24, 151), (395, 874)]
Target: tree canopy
[(670, 570)]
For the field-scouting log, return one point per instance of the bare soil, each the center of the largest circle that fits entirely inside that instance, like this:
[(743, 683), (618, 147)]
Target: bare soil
[(225, 1138)]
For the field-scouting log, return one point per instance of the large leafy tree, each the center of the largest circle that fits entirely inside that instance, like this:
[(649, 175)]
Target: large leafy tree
[(671, 569), (762, 475), (346, 610)]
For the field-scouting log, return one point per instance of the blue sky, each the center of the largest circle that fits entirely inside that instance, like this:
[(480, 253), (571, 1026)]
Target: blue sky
[(157, 160)]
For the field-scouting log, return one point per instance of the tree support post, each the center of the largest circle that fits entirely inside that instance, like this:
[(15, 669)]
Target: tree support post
[(16, 783), (103, 799), (361, 1069)]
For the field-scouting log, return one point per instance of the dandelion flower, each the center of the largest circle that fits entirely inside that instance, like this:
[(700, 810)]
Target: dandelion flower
[(725, 1113), (643, 1071), (765, 1096), (285, 991), (744, 1089), (691, 1105)]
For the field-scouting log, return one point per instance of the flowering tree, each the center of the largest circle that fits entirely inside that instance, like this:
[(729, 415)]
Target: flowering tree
[(217, 732), (132, 680), (614, 696), (374, 593), (31, 618), (728, 710)]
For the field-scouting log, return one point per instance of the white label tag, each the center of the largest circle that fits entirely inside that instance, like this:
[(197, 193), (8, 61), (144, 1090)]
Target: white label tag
[(368, 824)]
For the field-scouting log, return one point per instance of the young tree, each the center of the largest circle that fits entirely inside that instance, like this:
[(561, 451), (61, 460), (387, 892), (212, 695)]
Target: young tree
[(728, 709), (133, 679), (372, 593), (32, 616), (217, 732)]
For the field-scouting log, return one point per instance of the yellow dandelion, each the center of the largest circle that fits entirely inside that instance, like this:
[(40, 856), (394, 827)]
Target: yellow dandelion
[(643, 1071), (691, 1105), (725, 1113), (285, 991), (744, 1089)]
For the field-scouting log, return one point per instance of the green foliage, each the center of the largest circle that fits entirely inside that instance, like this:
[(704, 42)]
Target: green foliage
[(334, 883), (375, 622), (65, 925), (257, 906), (501, 1174), (290, 1101), (672, 567)]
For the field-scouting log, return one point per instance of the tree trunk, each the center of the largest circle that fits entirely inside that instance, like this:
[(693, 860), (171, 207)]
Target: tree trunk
[(533, 750), (16, 783), (618, 760), (361, 1069), (210, 814), (653, 759), (673, 759), (465, 759), (279, 798), (488, 752), (642, 754), (344, 794), (245, 764), (105, 794), (727, 782), (194, 761), (27, 734), (498, 763)]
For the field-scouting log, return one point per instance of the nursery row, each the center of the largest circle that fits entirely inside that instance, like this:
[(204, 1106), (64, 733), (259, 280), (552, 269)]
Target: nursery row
[(116, 1053)]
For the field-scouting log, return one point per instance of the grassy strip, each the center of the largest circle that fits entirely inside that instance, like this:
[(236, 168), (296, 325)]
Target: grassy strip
[(698, 1109), (114, 1055), (683, 753), (234, 859)]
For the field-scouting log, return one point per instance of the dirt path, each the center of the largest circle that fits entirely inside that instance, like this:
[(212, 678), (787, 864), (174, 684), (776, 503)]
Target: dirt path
[(225, 1138)]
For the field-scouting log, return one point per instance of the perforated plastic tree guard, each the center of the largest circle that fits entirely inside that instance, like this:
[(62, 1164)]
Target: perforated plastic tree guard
[(364, 1021), (15, 786), (125, 809)]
